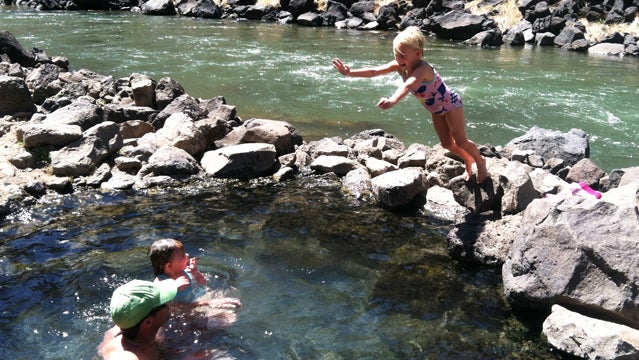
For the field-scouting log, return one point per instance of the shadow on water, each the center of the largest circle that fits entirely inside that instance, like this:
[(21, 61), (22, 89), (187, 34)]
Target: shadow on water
[(321, 275)]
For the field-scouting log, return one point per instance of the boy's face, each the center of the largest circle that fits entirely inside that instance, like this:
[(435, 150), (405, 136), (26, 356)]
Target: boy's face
[(407, 57), (179, 260)]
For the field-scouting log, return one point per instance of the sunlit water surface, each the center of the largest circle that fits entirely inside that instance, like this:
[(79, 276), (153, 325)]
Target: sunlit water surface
[(284, 72), (320, 275)]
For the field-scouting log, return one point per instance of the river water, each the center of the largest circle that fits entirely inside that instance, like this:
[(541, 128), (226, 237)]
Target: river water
[(321, 275)]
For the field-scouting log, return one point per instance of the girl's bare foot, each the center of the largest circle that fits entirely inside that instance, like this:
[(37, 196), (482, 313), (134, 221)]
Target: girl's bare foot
[(482, 171)]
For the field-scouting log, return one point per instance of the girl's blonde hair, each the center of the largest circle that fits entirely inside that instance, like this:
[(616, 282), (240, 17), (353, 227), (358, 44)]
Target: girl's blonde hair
[(411, 36)]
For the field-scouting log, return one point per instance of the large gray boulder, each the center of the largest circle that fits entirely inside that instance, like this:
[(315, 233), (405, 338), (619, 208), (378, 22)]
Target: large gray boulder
[(578, 251), (243, 161), (15, 97), (170, 160), (86, 154), (399, 188), (571, 146), (33, 135), (181, 131), (483, 241), (158, 7), (459, 25), (590, 338), (338, 165), (81, 113)]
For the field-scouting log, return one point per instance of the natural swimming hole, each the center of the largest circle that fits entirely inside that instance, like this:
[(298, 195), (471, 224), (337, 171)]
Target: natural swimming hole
[(320, 275)]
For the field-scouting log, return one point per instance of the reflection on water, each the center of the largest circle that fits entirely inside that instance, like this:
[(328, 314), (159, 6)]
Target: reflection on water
[(320, 275)]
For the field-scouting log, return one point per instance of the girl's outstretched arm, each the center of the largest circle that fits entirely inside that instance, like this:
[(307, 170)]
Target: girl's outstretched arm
[(365, 72), (411, 83)]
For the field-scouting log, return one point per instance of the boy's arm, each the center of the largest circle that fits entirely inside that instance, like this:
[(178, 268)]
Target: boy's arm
[(365, 72), (195, 273)]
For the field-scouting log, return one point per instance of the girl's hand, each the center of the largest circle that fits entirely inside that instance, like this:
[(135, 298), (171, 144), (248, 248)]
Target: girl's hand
[(385, 104), (341, 67)]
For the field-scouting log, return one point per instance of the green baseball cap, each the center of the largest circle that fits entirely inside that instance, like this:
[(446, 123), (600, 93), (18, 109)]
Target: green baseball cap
[(133, 301)]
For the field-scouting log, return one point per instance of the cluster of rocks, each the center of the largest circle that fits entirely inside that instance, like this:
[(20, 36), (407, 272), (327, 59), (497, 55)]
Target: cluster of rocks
[(553, 22), (558, 246)]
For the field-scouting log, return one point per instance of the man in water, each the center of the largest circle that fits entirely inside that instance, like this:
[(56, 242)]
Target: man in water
[(138, 309)]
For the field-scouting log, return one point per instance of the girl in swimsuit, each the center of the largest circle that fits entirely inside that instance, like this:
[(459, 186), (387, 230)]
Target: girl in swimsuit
[(423, 81)]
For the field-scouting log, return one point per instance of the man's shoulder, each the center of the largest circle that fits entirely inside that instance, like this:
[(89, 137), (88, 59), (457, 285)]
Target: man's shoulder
[(111, 347)]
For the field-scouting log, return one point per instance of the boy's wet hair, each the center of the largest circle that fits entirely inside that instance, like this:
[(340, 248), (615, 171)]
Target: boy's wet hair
[(161, 252), (411, 36)]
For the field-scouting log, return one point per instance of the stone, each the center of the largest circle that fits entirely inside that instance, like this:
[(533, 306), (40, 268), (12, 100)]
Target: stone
[(590, 338), (399, 188)]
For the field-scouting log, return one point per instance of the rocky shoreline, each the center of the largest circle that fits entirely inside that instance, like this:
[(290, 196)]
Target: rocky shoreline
[(542, 23), (564, 233)]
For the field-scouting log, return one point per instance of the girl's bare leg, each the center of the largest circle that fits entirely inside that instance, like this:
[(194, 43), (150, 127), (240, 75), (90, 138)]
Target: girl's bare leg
[(451, 130)]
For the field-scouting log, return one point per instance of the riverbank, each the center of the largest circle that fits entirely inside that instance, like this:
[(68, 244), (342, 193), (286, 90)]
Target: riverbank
[(599, 29), (66, 131)]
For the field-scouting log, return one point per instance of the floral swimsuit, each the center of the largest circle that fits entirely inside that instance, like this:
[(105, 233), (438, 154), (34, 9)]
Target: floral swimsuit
[(436, 97)]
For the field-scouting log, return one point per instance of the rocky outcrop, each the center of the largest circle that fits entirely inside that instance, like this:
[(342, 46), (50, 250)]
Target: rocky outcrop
[(538, 216)]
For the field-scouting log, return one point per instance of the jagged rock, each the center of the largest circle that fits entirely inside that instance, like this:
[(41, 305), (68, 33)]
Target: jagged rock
[(480, 240), (459, 25), (82, 156), (181, 132), (546, 183), (587, 171), (399, 188), (357, 183), (15, 97), (570, 147), (482, 197), (33, 135), (518, 34), (441, 204), (310, 19), (81, 113), (590, 338), (206, 9), (243, 161), (167, 89), (281, 134), (577, 250), (158, 7), (517, 186), (486, 38), (170, 160), (414, 156), (328, 147), (10, 46), (377, 167), (133, 129), (42, 81), (184, 104), (336, 164), (122, 113), (143, 88)]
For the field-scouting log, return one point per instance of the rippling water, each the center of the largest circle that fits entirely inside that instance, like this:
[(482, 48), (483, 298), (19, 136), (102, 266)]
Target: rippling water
[(284, 72), (321, 276)]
